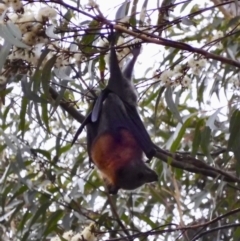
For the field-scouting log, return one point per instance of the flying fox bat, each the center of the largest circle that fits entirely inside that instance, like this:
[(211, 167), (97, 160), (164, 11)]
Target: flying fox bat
[(116, 136)]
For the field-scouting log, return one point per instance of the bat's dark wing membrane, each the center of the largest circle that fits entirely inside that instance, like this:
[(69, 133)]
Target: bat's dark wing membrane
[(80, 129), (93, 115), (139, 131), (92, 132), (98, 105), (119, 114)]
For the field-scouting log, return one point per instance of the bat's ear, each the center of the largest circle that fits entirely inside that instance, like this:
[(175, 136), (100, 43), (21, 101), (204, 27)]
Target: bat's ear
[(127, 72), (148, 175)]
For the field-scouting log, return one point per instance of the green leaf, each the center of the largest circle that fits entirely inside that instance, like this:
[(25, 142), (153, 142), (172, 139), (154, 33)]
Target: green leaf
[(197, 136), (5, 49), (211, 120), (234, 129), (22, 116), (159, 97), (171, 105), (205, 140), (122, 11), (64, 149), (47, 74), (52, 221), (234, 139), (43, 152), (58, 143), (102, 63), (180, 131), (45, 115), (41, 211), (88, 39)]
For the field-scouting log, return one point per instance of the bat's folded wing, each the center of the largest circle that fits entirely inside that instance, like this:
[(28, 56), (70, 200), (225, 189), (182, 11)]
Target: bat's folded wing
[(120, 114)]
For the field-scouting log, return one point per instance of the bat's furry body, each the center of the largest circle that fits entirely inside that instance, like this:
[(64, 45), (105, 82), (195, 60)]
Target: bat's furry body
[(116, 136)]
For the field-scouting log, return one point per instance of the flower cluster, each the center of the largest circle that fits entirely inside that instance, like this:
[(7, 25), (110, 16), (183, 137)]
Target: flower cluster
[(175, 77), (196, 66), (88, 234), (29, 29), (235, 81), (216, 37), (91, 4), (16, 5), (33, 31)]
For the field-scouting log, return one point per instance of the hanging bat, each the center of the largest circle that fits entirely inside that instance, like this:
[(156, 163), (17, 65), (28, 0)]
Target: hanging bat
[(116, 136)]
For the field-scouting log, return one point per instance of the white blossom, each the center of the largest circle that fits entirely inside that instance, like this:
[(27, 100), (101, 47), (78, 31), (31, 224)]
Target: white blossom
[(176, 76), (29, 38), (235, 81), (41, 39), (61, 61), (79, 58), (25, 22), (56, 238), (17, 5), (192, 62), (13, 17), (92, 4), (7, 2), (219, 34), (88, 233), (68, 235), (46, 13), (196, 66), (177, 68), (37, 27), (167, 82), (186, 82), (3, 7), (202, 62), (77, 237), (219, 45), (166, 75), (103, 43)]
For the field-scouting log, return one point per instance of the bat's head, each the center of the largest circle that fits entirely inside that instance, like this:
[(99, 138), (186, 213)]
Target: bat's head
[(134, 175)]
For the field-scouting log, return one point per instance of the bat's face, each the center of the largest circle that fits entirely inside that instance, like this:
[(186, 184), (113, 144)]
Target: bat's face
[(134, 175)]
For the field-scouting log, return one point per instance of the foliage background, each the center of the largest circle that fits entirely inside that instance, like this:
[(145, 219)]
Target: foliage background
[(47, 187)]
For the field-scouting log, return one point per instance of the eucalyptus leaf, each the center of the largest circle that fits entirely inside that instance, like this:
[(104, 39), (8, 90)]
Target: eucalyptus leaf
[(14, 29), (50, 32), (8, 36), (4, 52), (211, 120), (122, 11), (171, 105)]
